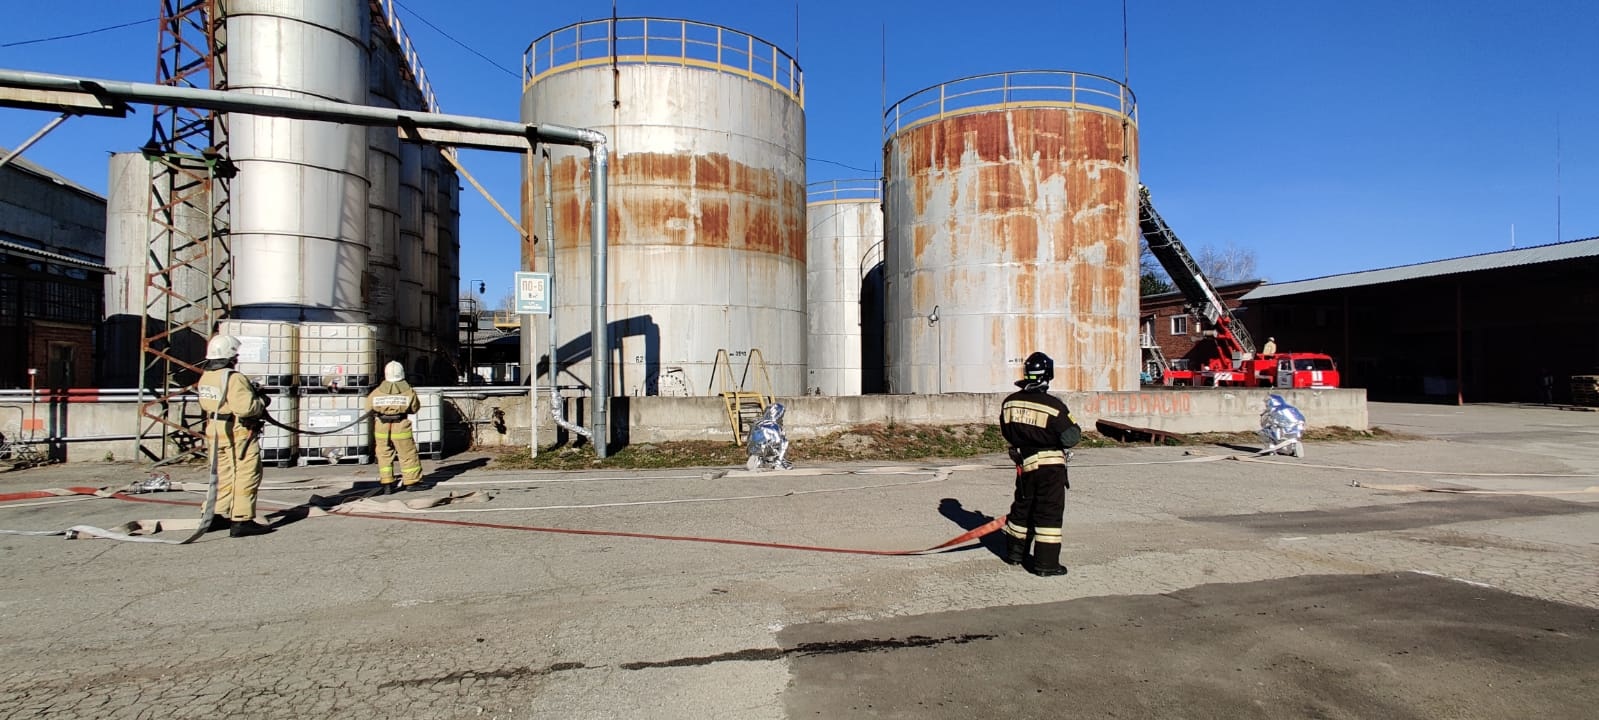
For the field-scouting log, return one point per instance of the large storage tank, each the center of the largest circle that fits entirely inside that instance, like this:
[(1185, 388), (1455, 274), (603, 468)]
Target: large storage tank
[(383, 200), (299, 202), (707, 198), (1011, 202), (843, 241)]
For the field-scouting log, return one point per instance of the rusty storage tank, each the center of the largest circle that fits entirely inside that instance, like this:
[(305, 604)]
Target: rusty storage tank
[(299, 201), (1011, 206), (843, 241), (707, 191)]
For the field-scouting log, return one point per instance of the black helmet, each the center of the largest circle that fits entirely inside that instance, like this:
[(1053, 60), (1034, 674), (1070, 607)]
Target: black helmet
[(1039, 368)]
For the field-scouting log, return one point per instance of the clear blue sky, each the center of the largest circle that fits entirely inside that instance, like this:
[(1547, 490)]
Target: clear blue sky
[(1327, 137)]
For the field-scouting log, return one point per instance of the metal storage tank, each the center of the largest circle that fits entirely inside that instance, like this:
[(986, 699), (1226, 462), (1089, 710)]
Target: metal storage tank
[(127, 253), (1011, 203), (449, 275), (843, 241), (383, 197), (299, 202), (707, 192), (408, 301)]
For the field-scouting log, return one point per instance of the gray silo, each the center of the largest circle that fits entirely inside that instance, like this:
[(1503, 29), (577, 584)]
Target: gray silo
[(1011, 207), (127, 253), (299, 201), (383, 200), (844, 241), (707, 199)]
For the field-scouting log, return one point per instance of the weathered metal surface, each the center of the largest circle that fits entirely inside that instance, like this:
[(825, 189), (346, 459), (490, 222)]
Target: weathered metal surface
[(299, 202), (844, 240), (706, 223), (1017, 224)]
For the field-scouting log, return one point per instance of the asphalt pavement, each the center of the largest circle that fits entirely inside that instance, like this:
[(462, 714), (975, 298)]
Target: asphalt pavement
[(1451, 575)]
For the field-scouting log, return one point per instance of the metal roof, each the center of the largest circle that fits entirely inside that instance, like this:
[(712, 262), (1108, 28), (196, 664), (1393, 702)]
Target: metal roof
[(1471, 263), (32, 168), (8, 247)]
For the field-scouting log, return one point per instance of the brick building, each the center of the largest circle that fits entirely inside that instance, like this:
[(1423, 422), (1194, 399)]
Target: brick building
[(52, 254), (1166, 323)]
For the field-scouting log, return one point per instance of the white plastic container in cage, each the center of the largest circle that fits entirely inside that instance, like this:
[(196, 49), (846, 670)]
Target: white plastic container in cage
[(338, 356), (350, 434), (278, 446), (428, 426), (268, 351)]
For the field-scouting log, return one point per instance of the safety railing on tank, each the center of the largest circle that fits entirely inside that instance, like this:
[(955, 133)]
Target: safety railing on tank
[(663, 41), (413, 62), (1010, 90), (844, 190)]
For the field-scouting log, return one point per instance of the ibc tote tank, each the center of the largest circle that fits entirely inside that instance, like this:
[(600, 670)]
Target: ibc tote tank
[(707, 189), (1011, 207)]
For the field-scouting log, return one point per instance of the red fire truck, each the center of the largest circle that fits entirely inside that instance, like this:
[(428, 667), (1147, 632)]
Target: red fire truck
[(1236, 362)]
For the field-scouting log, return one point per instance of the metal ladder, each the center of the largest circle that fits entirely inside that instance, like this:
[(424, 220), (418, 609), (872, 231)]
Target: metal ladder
[(744, 406)]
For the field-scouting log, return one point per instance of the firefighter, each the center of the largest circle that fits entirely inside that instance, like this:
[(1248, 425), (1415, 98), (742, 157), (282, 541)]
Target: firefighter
[(236, 409), (393, 403), (1039, 428), (1270, 348)]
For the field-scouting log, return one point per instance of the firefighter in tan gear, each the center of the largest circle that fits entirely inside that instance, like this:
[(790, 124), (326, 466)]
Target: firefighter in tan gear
[(235, 412), (392, 404), (1039, 429)]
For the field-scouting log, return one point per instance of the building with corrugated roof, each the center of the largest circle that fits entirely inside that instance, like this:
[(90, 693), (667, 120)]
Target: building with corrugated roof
[(1480, 328)]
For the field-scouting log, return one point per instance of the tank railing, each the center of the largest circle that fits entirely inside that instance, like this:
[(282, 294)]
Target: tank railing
[(413, 61), (1018, 89), (844, 190), (663, 41)]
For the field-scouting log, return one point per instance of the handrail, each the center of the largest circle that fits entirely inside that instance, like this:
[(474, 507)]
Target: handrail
[(413, 61), (662, 41), (844, 190), (1010, 90)]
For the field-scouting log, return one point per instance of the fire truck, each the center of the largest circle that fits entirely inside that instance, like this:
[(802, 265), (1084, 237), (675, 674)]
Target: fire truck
[(1236, 363)]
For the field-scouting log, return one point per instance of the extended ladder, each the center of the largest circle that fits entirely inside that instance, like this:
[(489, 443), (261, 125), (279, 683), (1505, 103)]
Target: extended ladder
[(744, 406)]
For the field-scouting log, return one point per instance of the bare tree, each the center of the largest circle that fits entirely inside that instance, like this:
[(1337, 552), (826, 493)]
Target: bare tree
[(1229, 264), (1152, 279)]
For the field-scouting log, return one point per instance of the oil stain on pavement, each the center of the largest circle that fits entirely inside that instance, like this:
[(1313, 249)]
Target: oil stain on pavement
[(1329, 646)]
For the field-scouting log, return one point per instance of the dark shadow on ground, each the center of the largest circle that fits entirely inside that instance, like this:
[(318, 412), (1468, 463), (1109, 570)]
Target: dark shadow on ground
[(994, 542), (449, 471)]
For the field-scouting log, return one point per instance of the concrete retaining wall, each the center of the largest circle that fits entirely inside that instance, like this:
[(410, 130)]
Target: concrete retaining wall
[(503, 421)]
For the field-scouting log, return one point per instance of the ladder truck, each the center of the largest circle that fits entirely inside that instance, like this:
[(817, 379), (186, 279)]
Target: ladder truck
[(1237, 363)]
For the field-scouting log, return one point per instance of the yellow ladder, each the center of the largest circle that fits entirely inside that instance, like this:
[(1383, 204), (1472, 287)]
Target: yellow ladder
[(744, 406)]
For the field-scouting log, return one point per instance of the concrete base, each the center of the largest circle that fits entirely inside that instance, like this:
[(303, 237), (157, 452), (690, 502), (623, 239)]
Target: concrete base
[(105, 430)]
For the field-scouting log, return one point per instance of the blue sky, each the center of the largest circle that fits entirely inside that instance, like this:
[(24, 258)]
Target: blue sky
[(1327, 136)]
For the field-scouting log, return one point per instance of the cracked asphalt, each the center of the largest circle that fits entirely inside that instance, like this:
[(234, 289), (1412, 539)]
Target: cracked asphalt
[(1200, 587)]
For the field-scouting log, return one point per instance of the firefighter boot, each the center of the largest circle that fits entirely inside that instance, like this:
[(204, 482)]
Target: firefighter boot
[(1046, 560), (246, 528), (219, 523), (1015, 550)]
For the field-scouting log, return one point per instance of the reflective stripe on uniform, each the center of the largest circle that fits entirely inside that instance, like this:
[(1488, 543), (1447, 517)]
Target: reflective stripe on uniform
[(415, 468), (404, 435), (1023, 412), (1048, 536), (1016, 531), (1044, 457)]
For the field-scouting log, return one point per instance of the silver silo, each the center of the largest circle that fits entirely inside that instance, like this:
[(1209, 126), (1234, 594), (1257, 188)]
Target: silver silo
[(707, 196), (1011, 207), (844, 240), (299, 202), (127, 253), (383, 198)]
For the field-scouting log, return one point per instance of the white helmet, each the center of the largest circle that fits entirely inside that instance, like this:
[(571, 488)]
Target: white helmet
[(394, 371), (222, 347)]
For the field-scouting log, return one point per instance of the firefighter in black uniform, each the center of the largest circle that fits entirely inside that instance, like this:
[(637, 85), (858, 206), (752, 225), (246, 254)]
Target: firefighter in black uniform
[(1039, 428)]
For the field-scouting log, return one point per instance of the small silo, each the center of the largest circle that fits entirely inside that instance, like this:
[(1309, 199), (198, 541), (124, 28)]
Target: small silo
[(1011, 206), (843, 242), (706, 126), (299, 202)]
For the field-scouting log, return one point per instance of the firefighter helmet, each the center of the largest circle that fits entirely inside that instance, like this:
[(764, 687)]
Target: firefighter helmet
[(222, 347), (1039, 368)]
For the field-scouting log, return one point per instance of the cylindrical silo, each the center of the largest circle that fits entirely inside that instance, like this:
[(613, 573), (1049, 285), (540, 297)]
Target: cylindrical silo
[(299, 201), (383, 197), (129, 231), (449, 275), (1011, 206), (408, 250), (843, 241), (706, 126)]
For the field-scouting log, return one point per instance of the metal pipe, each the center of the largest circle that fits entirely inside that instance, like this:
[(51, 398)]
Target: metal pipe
[(599, 358), (298, 108), (556, 410), (34, 138)]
